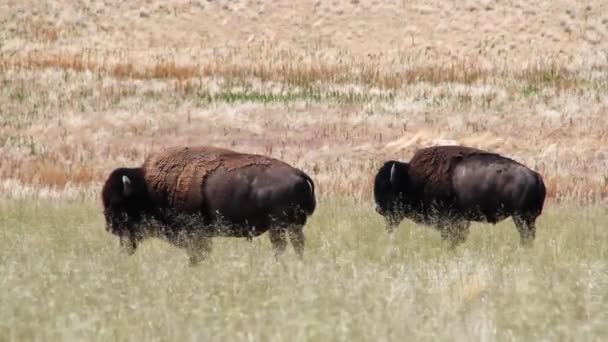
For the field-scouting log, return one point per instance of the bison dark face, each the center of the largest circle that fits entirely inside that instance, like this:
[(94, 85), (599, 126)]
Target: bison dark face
[(390, 188), (125, 199)]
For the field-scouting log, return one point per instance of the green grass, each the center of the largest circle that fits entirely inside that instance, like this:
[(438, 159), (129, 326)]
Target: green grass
[(310, 95), (62, 278)]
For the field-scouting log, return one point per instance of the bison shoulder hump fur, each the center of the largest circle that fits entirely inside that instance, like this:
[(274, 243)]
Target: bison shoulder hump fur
[(176, 175), (433, 167)]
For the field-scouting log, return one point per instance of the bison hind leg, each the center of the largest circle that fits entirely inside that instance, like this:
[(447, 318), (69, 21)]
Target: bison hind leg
[(296, 236), (455, 233), (526, 227), (278, 241)]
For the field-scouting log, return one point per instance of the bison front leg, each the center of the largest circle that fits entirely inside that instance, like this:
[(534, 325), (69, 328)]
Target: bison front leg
[(296, 236), (527, 230), (392, 222), (128, 244), (198, 249), (278, 241), (455, 233)]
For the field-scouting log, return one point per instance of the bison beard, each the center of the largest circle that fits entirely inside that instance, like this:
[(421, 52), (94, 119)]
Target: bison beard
[(187, 195), (450, 186)]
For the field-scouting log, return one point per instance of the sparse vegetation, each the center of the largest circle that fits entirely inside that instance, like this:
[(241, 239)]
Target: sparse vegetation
[(305, 75), (332, 88), (66, 111), (66, 279)]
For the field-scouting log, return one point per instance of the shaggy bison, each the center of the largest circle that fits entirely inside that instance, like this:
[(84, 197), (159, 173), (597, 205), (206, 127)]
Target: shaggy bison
[(449, 186), (187, 195)]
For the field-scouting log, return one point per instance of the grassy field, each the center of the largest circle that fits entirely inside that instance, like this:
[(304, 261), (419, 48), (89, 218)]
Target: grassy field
[(63, 278), (89, 86), (334, 88)]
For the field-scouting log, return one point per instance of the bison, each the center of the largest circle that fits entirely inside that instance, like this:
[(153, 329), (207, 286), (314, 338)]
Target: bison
[(187, 195), (449, 186)]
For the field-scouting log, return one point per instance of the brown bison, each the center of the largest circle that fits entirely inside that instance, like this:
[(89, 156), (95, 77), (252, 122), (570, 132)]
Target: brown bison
[(187, 195), (449, 186)]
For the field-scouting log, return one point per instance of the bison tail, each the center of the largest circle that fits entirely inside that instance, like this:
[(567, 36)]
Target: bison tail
[(309, 202), (542, 193)]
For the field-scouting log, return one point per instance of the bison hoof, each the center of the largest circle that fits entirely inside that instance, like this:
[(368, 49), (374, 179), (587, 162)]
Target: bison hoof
[(194, 261), (127, 247), (527, 243)]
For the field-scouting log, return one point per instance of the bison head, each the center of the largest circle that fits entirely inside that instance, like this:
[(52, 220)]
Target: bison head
[(390, 185), (125, 200)]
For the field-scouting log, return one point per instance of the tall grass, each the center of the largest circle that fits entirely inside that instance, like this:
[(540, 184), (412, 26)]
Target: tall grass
[(63, 278), (58, 121), (338, 120), (301, 74)]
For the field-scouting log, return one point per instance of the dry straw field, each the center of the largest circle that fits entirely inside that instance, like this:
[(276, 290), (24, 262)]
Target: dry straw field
[(335, 88)]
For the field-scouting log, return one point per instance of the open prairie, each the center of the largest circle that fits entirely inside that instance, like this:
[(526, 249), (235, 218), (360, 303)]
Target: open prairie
[(334, 88), (63, 278)]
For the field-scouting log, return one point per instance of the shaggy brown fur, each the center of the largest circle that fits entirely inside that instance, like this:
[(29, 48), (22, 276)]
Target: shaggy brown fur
[(190, 194), (431, 168), (176, 175), (450, 186)]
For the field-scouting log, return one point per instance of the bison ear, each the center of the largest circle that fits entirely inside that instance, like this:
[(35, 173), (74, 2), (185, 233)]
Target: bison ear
[(126, 186), (393, 173)]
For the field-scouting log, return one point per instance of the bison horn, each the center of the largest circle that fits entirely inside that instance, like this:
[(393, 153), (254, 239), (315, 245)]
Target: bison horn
[(126, 185), (393, 171)]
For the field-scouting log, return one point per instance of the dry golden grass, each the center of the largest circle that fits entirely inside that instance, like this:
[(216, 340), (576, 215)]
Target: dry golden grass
[(335, 88), (71, 118), (64, 278), (302, 74)]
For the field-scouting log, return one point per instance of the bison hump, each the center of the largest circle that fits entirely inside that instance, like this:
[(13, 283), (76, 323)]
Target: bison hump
[(238, 161), (176, 175), (431, 168)]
